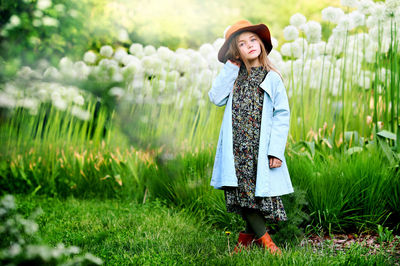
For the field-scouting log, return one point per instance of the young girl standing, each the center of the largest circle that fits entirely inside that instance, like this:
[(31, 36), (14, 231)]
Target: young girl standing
[(249, 163)]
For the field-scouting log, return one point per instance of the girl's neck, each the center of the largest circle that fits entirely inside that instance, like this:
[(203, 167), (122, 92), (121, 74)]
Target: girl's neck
[(255, 63)]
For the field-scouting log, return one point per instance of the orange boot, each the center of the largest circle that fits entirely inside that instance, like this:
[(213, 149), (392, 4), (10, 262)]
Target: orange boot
[(266, 242), (244, 240)]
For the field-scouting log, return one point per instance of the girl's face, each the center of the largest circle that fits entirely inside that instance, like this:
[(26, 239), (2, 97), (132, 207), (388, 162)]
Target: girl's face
[(249, 46)]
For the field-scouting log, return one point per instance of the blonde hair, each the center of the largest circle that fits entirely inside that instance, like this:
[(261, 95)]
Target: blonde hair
[(233, 54)]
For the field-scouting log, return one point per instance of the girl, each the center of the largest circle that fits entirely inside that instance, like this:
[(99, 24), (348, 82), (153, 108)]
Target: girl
[(249, 163)]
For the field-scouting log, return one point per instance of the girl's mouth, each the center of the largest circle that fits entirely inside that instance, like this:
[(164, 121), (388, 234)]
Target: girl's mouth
[(252, 51)]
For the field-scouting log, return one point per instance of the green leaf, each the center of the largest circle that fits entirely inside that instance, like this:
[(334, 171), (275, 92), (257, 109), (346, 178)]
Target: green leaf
[(386, 134)]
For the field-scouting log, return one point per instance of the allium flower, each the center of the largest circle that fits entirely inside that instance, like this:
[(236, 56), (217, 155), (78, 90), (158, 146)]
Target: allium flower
[(365, 6), (332, 14), (297, 20), (291, 49), (346, 23), (358, 18), (274, 42), (290, 33), (136, 48), (275, 56), (206, 49), (349, 3), (312, 29), (43, 4), (149, 50), (117, 92), (391, 7), (60, 8), (379, 11), (80, 113), (6, 100), (52, 73), (79, 100), (37, 22), (119, 54), (90, 57), (165, 53), (106, 51), (49, 21), (38, 13), (14, 21)]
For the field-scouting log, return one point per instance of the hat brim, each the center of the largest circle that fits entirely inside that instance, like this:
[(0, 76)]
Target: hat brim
[(261, 30)]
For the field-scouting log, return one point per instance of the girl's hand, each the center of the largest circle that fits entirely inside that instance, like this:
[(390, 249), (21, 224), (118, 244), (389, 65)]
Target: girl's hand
[(234, 62), (274, 162)]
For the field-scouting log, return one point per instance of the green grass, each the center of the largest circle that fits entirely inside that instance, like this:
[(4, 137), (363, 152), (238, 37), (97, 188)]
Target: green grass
[(122, 232)]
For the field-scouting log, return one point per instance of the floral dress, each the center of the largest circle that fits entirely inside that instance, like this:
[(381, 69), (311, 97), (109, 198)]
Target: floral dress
[(247, 105)]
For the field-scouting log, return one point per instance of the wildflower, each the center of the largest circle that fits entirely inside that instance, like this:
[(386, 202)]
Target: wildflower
[(358, 18), (332, 14), (369, 119), (106, 51), (43, 4), (14, 21), (291, 49), (227, 233), (349, 3), (136, 48), (290, 33), (49, 21), (297, 20), (365, 6), (80, 113), (164, 53), (312, 29), (149, 50), (89, 57)]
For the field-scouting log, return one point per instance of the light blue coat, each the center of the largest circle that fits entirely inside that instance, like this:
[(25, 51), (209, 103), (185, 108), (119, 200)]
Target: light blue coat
[(273, 135)]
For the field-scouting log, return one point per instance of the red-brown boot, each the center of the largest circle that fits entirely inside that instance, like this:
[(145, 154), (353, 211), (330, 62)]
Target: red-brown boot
[(244, 240), (266, 242)]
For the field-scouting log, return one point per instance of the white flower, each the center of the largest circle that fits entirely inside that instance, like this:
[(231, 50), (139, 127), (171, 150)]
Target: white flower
[(15, 21), (290, 33), (275, 56), (60, 8), (391, 7), (136, 48), (117, 92), (206, 49), (379, 11), (165, 53), (358, 18), (291, 49), (38, 13), (346, 23), (312, 29), (52, 72), (49, 21), (43, 4), (332, 14), (365, 6), (6, 100), (82, 69), (106, 51), (80, 113), (149, 50), (120, 54), (274, 42), (37, 22), (349, 3), (90, 57), (297, 20), (79, 100)]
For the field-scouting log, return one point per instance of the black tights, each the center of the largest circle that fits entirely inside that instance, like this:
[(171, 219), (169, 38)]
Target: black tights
[(255, 222)]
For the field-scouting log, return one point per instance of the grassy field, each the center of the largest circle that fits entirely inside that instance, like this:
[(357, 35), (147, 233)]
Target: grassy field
[(121, 232)]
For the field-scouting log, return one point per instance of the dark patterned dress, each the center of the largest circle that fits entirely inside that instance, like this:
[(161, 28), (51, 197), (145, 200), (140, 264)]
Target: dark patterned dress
[(247, 105)]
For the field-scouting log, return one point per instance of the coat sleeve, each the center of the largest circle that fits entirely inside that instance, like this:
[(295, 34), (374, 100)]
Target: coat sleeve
[(280, 120), (223, 84)]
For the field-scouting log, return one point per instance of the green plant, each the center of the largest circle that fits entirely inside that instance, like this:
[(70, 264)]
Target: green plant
[(20, 244), (384, 234)]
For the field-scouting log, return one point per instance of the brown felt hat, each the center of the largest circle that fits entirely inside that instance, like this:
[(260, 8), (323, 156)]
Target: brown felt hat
[(244, 25)]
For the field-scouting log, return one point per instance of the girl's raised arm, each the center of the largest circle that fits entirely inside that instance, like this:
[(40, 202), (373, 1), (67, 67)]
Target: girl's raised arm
[(223, 84)]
